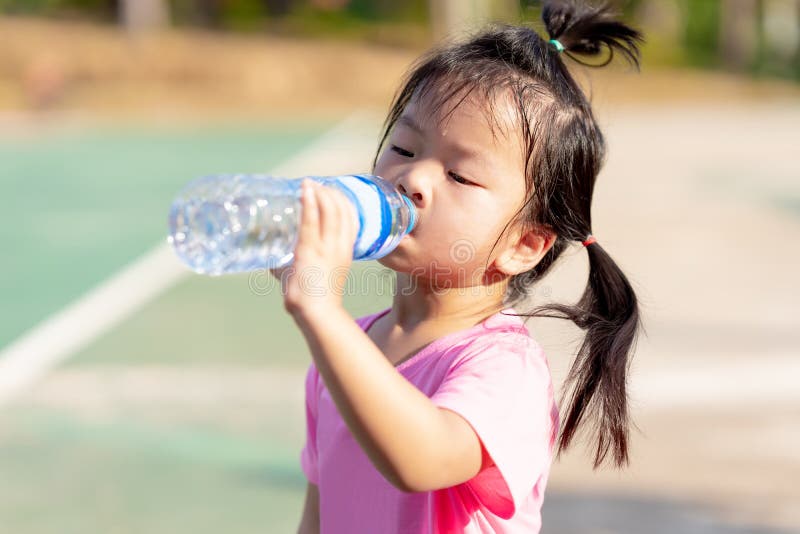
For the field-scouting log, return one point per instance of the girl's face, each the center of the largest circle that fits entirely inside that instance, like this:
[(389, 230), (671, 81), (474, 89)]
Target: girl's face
[(466, 177)]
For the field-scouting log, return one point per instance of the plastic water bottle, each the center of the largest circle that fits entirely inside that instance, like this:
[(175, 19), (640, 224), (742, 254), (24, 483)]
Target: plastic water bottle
[(236, 223)]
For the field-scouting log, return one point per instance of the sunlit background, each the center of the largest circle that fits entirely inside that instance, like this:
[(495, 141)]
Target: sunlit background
[(138, 397)]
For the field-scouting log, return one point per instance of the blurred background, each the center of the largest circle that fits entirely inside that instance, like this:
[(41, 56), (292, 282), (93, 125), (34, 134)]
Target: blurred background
[(138, 397)]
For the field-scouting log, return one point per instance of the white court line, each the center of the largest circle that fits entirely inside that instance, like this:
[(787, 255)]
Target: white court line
[(347, 147)]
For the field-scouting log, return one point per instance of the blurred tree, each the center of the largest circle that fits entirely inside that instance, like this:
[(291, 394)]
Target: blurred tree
[(795, 62), (448, 16), (758, 36), (144, 15), (371, 9), (245, 15), (207, 13), (739, 32), (278, 8), (779, 37), (701, 30), (101, 9), (330, 5)]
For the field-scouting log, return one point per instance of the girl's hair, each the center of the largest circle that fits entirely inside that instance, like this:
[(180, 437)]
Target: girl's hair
[(564, 151)]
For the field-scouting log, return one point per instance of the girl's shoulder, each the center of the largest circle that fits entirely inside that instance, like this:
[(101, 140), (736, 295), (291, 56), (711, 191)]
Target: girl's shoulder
[(502, 334)]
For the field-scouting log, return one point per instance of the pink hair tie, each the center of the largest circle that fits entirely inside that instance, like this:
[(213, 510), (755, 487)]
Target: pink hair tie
[(589, 240)]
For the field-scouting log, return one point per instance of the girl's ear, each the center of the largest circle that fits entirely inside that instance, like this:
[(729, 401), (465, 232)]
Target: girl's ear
[(525, 250)]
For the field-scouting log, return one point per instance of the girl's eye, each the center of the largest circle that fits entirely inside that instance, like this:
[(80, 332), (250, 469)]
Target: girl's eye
[(459, 179), (402, 151)]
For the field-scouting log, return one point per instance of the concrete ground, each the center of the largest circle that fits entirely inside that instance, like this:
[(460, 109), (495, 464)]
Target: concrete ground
[(700, 205)]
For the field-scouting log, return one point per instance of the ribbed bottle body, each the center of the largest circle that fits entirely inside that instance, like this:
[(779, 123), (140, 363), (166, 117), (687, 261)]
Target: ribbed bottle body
[(237, 223)]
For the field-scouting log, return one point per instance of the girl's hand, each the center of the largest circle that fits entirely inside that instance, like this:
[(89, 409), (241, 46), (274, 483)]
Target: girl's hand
[(315, 281)]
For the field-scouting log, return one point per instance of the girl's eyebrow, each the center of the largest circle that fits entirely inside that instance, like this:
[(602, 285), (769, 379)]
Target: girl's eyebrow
[(407, 120)]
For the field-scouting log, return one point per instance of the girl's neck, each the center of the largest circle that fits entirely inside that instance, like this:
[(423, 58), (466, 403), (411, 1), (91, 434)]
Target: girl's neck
[(415, 303)]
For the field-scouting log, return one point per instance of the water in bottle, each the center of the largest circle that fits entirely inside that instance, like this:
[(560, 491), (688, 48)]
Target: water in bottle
[(235, 223)]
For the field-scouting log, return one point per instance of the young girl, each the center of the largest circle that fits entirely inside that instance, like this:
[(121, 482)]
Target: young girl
[(437, 415)]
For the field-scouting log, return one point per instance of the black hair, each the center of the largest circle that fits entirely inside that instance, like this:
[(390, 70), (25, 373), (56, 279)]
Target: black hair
[(564, 153)]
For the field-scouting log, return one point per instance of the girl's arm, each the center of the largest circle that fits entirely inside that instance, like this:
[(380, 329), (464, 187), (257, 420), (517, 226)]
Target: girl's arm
[(414, 444)]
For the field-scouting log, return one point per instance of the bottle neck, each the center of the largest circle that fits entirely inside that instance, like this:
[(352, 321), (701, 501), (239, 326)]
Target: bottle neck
[(412, 213)]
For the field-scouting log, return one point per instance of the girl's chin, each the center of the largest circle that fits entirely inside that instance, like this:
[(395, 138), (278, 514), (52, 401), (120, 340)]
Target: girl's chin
[(395, 260), (388, 260)]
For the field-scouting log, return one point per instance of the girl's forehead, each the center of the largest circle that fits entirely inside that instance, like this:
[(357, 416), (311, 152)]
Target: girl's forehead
[(495, 112), (469, 124)]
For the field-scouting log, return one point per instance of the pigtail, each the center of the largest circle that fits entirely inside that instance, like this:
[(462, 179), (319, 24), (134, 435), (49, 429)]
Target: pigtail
[(608, 310), (584, 29), (609, 314)]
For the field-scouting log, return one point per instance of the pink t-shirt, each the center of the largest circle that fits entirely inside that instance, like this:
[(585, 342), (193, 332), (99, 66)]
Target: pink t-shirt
[(496, 377)]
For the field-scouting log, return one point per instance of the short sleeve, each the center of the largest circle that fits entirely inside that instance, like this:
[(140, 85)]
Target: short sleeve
[(308, 456), (502, 388)]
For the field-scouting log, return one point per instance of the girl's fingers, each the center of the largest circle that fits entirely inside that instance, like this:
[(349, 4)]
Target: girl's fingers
[(336, 218), (342, 214), (347, 217), (330, 213), (309, 222), (324, 210)]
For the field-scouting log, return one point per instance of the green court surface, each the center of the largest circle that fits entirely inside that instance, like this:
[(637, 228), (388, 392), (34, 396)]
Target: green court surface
[(188, 416), (79, 204), (230, 319), (62, 474)]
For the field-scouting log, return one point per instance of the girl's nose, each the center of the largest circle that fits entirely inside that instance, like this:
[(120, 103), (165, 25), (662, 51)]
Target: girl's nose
[(414, 186), (414, 196)]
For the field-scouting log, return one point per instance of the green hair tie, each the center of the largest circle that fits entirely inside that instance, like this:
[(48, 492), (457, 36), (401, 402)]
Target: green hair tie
[(558, 45)]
